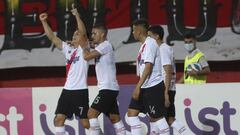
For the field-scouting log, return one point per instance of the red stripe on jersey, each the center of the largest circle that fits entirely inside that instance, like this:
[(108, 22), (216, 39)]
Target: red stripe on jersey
[(140, 53), (70, 62)]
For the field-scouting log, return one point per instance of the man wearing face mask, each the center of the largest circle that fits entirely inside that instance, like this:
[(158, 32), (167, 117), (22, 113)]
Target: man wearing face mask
[(194, 56)]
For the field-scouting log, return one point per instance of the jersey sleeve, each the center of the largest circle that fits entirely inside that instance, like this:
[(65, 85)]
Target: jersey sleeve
[(103, 48), (65, 48), (150, 52), (166, 57)]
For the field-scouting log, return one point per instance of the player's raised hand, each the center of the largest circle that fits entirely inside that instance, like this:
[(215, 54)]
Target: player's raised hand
[(74, 10), (43, 16)]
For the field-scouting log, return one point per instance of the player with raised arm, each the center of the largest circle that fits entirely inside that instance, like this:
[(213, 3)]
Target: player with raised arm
[(74, 97)]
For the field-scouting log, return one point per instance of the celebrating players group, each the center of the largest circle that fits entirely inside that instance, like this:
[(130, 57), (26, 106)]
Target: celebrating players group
[(154, 93)]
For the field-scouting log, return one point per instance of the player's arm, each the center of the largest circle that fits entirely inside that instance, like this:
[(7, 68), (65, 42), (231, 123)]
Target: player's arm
[(167, 82), (48, 31), (146, 72), (95, 53), (168, 77), (167, 67), (88, 55), (80, 24)]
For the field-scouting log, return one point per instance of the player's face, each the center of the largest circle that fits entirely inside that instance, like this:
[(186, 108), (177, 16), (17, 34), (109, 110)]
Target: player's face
[(136, 32), (78, 38), (97, 35), (152, 35)]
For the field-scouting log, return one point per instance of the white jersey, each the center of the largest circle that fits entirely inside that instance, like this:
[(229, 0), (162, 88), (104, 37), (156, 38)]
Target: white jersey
[(167, 58), (78, 69), (149, 52), (105, 67)]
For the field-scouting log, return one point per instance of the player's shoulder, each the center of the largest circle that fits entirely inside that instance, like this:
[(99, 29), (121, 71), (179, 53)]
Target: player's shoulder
[(165, 46), (66, 46), (107, 43), (64, 43), (151, 42), (104, 44), (150, 39)]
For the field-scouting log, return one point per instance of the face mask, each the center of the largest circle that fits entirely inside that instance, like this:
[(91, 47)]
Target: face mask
[(189, 47)]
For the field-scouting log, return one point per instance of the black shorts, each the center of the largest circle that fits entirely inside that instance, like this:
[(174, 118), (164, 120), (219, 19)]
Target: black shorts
[(106, 102), (137, 104), (73, 102), (171, 109), (151, 101)]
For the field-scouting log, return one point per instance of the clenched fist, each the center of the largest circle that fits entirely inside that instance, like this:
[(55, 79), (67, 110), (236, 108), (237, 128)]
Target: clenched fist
[(74, 10), (43, 16)]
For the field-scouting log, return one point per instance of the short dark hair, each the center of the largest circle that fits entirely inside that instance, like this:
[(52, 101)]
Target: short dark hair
[(157, 29), (141, 22), (189, 34), (102, 27)]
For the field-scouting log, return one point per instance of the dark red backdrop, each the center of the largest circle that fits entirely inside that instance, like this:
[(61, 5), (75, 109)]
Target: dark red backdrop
[(156, 14)]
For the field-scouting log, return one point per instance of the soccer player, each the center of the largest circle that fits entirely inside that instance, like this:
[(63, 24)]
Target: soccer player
[(148, 96), (194, 56), (169, 73), (105, 102), (74, 97)]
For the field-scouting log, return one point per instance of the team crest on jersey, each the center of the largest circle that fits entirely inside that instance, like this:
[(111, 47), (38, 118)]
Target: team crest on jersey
[(139, 58), (74, 60)]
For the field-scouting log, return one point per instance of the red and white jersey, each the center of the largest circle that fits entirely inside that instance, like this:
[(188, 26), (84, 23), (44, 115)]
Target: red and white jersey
[(76, 68), (167, 58), (105, 67), (149, 52)]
